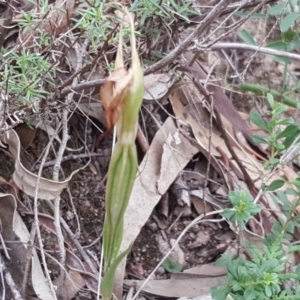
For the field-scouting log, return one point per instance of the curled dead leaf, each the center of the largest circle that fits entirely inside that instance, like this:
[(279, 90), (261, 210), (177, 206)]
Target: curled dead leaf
[(113, 94), (14, 229), (28, 182)]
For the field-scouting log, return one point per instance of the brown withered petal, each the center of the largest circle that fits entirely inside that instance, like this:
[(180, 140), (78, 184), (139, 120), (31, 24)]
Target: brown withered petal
[(113, 94)]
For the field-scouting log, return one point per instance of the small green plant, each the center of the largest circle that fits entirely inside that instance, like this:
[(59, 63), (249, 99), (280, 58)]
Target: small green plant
[(33, 20), (289, 12), (278, 139), (168, 10), (264, 277), (288, 16), (243, 208), (261, 278), (27, 77), (94, 23), (172, 266)]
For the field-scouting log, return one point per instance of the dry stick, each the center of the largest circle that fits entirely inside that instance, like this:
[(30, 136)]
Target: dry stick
[(232, 7), (4, 246), (69, 157), (57, 166), (77, 88), (3, 284), (10, 281), (211, 16), (36, 218), (28, 259), (245, 47)]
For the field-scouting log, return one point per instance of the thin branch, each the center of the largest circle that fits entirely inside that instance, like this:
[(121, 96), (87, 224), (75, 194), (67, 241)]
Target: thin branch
[(245, 47), (85, 85), (36, 219), (69, 157), (57, 166), (230, 8)]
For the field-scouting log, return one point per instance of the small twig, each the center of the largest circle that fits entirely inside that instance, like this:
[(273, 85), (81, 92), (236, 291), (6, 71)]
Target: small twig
[(142, 140), (78, 230), (245, 47), (57, 165), (2, 294), (3, 244), (36, 219), (28, 259), (69, 157), (77, 88)]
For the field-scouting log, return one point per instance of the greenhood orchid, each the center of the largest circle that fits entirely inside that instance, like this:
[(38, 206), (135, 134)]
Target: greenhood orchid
[(122, 97)]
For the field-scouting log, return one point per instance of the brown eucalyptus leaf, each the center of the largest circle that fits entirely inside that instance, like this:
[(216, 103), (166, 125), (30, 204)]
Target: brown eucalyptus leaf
[(26, 180), (200, 205), (175, 288), (14, 229), (156, 86), (72, 284), (93, 108), (26, 134)]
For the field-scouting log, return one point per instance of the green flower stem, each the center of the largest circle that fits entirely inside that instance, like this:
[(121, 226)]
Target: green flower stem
[(121, 176)]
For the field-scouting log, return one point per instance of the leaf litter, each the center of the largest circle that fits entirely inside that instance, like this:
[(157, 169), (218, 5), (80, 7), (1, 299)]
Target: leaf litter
[(184, 141)]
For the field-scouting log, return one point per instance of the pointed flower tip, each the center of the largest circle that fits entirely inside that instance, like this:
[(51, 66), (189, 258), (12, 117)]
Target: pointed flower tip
[(135, 60), (119, 62)]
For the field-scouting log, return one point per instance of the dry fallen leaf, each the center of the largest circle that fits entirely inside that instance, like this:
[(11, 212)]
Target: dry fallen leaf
[(26, 134), (26, 180), (14, 229), (156, 86), (190, 287), (72, 284)]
